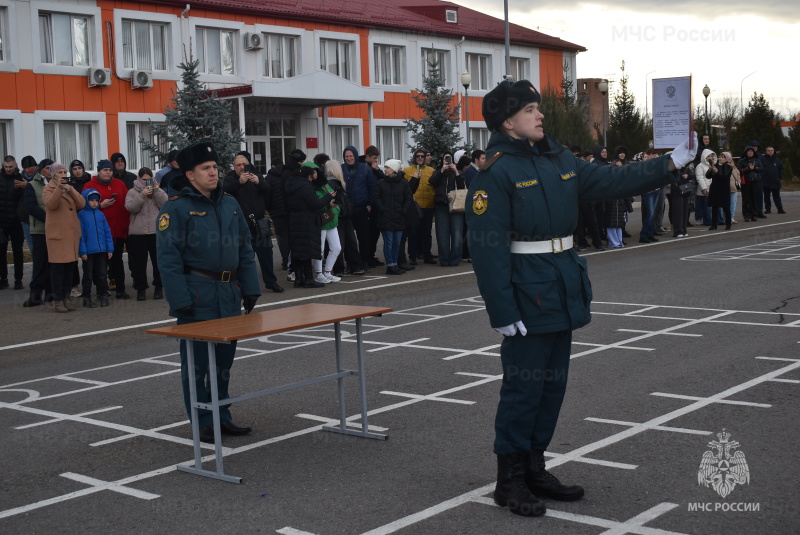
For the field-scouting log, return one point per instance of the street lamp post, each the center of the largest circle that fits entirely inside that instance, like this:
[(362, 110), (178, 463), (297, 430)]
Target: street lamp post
[(603, 87), (646, 87), (741, 100), (706, 92), (466, 79)]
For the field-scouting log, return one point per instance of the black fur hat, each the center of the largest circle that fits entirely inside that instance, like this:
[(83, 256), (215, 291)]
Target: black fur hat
[(195, 154), (506, 99)]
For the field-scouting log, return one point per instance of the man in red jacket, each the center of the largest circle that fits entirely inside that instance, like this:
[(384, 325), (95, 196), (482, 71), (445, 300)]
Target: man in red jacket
[(112, 204)]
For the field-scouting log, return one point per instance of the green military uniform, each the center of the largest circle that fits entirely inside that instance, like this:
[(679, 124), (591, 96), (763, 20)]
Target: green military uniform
[(208, 235), (531, 193)]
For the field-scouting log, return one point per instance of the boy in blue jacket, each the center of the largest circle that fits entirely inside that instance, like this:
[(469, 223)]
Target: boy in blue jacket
[(96, 248)]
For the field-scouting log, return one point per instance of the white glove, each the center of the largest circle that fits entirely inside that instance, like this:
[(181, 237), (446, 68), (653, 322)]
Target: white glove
[(683, 155), (511, 330)]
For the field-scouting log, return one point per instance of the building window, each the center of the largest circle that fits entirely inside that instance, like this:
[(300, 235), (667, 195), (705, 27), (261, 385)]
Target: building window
[(480, 67), (389, 64), (136, 156), (435, 59), (5, 143), (144, 45), (64, 39), (282, 138), (480, 137), (3, 33), (336, 57), (391, 142), (341, 137), (216, 51), (280, 58), (65, 141), (519, 69)]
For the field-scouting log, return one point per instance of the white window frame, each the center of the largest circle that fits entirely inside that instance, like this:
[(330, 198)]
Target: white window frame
[(355, 54), (267, 55), (123, 120), (488, 72), (515, 62), (174, 54), (448, 69), (97, 117), (405, 142), (94, 32), (238, 43), (8, 32), (13, 118), (479, 125), (301, 36), (358, 124), (406, 66)]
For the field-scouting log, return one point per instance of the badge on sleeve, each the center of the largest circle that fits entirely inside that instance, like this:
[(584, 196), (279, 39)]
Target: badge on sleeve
[(480, 202), (163, 222)]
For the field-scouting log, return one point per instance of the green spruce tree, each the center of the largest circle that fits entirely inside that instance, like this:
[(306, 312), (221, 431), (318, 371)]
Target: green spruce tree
[(437, 129), (758, 123), (563, 114), (626, 126), (195, 115)]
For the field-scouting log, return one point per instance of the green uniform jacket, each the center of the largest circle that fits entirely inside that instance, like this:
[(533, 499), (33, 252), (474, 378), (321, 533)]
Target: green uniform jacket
[(206, 233), (532, 194)]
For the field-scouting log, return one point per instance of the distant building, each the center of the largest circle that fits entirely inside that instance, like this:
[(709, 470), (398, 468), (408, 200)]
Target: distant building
[(86, 78), (592, 100)]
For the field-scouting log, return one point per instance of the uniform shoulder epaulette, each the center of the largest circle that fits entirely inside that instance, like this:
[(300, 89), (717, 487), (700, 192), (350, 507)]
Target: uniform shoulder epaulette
[(175, 197), (488, 163)]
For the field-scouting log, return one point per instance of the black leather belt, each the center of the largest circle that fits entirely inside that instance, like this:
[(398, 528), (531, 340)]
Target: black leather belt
[(222, 276)]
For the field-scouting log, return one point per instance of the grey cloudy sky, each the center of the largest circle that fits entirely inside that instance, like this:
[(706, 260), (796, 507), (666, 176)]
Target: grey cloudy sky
[(719, 43)]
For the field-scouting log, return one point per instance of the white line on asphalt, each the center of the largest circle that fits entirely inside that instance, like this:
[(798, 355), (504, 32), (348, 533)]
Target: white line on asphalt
[(725, 401), (109, 485), (655, 428)]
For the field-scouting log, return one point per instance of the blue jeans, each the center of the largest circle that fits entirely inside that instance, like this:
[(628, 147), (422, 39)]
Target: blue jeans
[(391, 245), (449, 235), (733, 205), (701, 210), (649, 200)]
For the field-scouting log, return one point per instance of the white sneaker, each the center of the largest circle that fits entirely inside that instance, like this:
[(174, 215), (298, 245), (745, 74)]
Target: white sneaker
[(319, 277), (290, 277), (76, 292), (331, 278)]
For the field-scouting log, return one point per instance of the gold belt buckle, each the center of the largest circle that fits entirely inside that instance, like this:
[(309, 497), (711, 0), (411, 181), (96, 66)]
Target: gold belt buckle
[(560, 248), (226, 276)]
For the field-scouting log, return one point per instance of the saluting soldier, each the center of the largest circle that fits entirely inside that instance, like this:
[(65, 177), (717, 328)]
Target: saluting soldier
[(208, 269), (523, 212)]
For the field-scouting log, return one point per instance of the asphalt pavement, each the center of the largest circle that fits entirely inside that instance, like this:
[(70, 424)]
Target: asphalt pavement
[(693, 347)]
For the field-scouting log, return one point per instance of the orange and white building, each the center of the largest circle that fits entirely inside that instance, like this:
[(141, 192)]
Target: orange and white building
[(81, 79)]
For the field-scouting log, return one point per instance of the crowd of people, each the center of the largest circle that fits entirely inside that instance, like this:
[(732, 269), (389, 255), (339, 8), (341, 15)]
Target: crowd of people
[(706, 193), (325, 215)]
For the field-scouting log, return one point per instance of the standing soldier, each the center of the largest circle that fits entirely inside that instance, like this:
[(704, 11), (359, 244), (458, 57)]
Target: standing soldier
[(207, 265), (536, 289)]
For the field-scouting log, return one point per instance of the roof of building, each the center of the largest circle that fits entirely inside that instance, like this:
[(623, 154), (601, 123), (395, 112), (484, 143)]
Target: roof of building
[(418, 16)]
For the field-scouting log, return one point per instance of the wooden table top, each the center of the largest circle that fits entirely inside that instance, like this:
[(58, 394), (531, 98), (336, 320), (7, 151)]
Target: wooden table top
[(268, 322)]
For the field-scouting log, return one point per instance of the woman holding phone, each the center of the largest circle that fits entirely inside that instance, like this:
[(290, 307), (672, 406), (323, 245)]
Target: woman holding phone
[(63, 234), (144, 201), (449, 225)]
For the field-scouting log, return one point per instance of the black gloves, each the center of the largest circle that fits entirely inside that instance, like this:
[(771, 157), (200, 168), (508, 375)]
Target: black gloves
[(249, 302), (186, 311)]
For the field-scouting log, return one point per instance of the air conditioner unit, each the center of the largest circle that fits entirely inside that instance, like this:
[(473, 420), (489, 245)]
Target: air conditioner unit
[(253, 41), (99, 77), (141, 80)]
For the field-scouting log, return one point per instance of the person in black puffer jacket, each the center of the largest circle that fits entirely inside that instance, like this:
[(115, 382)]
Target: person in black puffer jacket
[(12, 186), (449, 226), (304, 221), (392, 203), (276, 206)]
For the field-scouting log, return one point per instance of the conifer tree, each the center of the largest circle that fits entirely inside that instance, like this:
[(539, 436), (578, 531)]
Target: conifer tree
[(563, 115), (195, 115), (437, 129), (759, 123), (626, 126)]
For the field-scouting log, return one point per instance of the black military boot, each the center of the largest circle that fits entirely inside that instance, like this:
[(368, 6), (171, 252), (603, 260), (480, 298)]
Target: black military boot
[(511, 490), (543, 483)]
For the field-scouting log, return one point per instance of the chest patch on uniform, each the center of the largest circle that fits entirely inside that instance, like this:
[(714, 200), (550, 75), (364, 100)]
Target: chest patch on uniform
[(567, 176), (527, 183), (197, 213), (480, 202), (163, 222)]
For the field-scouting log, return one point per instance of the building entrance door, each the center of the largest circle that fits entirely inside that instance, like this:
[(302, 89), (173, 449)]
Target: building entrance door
[(257, 146)]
